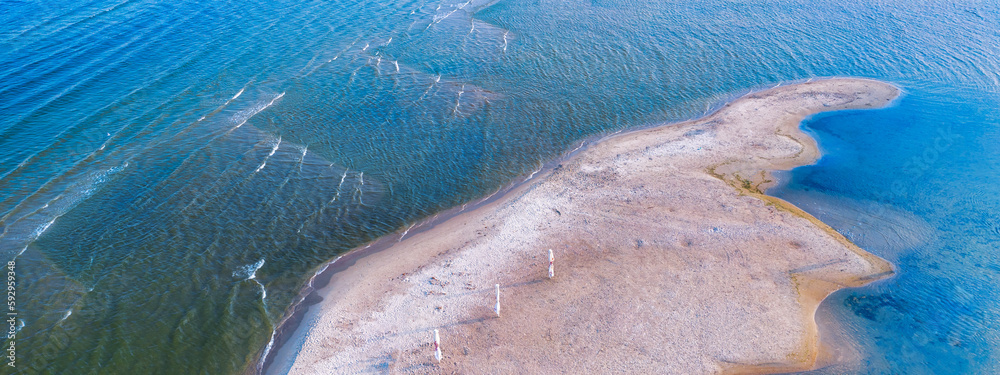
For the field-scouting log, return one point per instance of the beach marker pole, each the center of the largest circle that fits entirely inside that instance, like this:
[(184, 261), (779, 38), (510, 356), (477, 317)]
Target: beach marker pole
[(437, 346), (551, 269), (496, 308)]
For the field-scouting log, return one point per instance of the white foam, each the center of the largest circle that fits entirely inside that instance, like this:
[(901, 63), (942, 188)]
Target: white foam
[(342, 178), (38, 232), (35, 223), (69, 192), (246, 115), (491, 195), (533, 173), (428, 90), (68, 313), (402, 236), (458, 101), (321, 269), (438, 18), (302, 159), (361, 182), (249, 271), (273, 150), (267, 349), (238, 93), (263, 291)]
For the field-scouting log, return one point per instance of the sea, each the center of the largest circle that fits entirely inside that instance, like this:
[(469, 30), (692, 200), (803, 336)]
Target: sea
[(173, 173)]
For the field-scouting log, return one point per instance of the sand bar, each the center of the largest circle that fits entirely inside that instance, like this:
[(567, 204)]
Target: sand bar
[(668, 259)]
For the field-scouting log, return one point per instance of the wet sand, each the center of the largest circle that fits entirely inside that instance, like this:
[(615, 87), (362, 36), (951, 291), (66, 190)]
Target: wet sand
[(668, 259)]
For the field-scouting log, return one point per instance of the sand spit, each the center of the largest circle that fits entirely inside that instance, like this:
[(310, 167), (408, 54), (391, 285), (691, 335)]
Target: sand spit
[(668, 259)]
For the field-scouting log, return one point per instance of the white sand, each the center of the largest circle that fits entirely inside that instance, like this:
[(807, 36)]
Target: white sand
[(667, 260)]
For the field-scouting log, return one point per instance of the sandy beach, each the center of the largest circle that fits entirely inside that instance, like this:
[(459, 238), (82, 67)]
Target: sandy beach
[(668, 259)]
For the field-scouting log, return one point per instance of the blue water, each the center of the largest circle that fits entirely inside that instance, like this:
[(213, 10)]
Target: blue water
[(935, 156), (171, 173)]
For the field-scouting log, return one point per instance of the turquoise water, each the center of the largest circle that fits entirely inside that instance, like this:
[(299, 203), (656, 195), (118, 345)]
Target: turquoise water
[(171, 173), (936, 157)]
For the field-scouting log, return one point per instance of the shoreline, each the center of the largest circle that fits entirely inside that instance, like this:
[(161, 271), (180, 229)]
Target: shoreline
[(745, 186), (308, 296)]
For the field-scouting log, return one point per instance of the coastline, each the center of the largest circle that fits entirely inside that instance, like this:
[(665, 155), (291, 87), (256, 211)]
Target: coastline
[(635, 220)]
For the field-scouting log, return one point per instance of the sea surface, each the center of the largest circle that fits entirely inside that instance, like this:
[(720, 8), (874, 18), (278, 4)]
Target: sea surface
[(173, 172)]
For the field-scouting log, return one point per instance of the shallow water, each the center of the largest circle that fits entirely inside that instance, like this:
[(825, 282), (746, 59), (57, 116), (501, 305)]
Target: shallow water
[(171, 173), (937, 314)]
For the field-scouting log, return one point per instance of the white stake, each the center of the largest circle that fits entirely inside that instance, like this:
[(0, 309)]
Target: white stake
[(437, 346), (552, 258), (497, 307)]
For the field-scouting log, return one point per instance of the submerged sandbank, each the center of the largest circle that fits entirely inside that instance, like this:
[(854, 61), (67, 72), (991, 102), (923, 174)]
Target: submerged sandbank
[(668, 259)]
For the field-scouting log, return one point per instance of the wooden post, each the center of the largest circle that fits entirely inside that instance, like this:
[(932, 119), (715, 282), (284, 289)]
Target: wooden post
[(437, 346), (496, 308), (551, 269)]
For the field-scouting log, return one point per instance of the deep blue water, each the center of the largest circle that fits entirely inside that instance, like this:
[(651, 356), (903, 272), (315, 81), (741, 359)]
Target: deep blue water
[(172, 172)]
